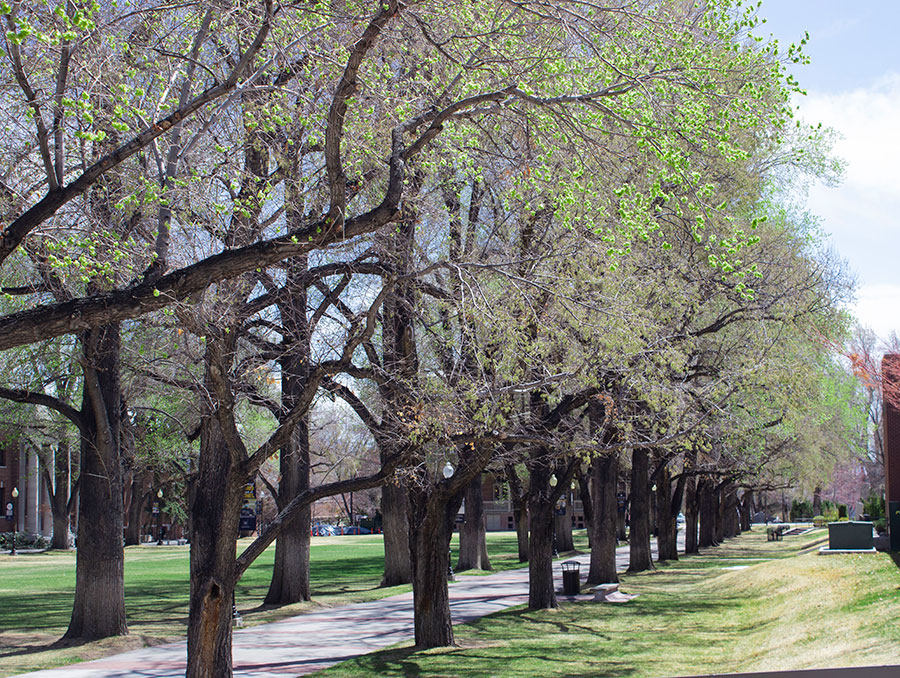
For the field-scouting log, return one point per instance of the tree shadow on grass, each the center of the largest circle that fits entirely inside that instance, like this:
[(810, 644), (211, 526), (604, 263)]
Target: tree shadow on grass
[(469, 662)]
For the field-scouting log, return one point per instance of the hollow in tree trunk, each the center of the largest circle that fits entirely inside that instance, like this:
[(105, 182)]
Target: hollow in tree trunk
[(639, 558), (604, 477), (473, 553), (99, 607)]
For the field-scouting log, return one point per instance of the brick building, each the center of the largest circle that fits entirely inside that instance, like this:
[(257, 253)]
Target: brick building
[(20, 469), (498, 508)]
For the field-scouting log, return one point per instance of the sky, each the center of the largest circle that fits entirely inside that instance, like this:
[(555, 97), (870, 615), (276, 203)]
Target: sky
[(853, 86)]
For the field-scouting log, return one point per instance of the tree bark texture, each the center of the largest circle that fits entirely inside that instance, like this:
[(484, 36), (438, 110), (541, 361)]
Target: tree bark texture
[(746, 510), (431, 518), (58, 481), (541, 589), (707, 498), (520, 511), (691, 515), (720, 514), (562, 525), (136, 503), (639, 558), (732, 519), (666, 522), (395, 523), (587, 506), (473, 553), (602, 527), (290, 575), (99, 606), (216, 497)]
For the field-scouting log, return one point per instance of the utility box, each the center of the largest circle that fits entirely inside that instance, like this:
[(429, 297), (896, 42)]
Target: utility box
[(852, 535)]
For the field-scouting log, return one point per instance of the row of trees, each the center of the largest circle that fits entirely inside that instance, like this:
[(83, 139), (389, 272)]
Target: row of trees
[(547, 239)]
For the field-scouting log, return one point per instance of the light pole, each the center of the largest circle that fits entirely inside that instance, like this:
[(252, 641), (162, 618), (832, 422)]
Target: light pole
[(448, 472), (15, 496), (159, 496)]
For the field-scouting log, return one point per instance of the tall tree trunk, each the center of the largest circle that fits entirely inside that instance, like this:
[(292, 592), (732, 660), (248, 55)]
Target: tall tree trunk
[(587, 507), (666, 524), (732, 520), (541, 590), (473, 553), (290, 575), (520, 511), (431, 518), (58, 480), (691, 515), (562, 526), (746, 510), (136, 503), (639, 539), (215, 501), (395, 523), (720, 514), (708, 508), (604, 481), (99, 606)]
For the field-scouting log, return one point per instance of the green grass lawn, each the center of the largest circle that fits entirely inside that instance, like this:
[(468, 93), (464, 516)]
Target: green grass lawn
[(782, 608), (749, 605), (36, 593)]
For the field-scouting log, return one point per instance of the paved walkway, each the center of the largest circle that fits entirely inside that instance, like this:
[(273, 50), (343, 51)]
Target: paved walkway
[(314, 641)]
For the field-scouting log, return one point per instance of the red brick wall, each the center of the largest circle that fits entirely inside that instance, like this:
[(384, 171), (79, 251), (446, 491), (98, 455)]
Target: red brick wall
[(890, 375)]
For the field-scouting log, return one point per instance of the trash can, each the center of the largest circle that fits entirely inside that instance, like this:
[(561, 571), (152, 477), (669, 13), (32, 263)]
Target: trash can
[(571, 577)]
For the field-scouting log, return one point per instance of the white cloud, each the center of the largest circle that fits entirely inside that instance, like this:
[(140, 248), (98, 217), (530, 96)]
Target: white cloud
[(862, 214), (878, 307)]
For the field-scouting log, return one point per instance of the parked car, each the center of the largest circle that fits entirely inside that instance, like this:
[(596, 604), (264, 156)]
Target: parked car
[(322, 530), (353, 529)]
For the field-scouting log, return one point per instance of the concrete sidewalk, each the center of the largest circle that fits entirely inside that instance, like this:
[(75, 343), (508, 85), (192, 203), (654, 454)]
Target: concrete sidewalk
[(314, 641)]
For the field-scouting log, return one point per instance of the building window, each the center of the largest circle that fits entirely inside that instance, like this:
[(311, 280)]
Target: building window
[(2, 456), (510, 524)]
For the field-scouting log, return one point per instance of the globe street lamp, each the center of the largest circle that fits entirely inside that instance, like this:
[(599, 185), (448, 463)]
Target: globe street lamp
[(159, 496), (15, 496), (448, 472)]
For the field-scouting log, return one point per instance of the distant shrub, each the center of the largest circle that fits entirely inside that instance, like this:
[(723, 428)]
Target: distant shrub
[(801, 510), (24, 540), (874, 506), (880, 525), (842, 511), (819, 521)]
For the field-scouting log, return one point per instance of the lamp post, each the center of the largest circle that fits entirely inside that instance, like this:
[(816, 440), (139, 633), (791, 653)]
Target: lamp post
[(15, 496), (448, 472), (159, 496)]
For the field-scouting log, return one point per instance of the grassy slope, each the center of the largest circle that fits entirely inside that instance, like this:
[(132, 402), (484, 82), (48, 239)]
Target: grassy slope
[(692, 617)]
